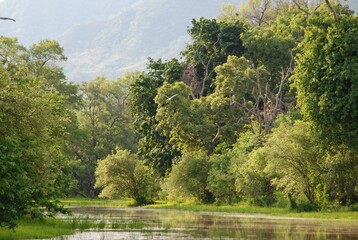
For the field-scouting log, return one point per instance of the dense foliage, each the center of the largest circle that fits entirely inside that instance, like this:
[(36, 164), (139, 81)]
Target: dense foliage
[(35, 104), (103, 123), (122, 174), (326, 77), (188, 177), (262, 107)]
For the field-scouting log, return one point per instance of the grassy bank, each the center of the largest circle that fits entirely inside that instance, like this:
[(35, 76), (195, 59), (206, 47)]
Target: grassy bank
[(36, 229), (343, 213), (48, 228)]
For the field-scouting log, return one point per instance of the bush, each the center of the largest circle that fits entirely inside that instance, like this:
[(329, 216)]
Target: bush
[(188, 177), (281, 200), (354, 207), (252, 183), (306, 207), (221, 181), (123, 174)]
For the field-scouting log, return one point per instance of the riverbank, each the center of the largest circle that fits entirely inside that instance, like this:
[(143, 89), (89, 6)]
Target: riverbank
[(342, 213), (37, 229), (29, 228)]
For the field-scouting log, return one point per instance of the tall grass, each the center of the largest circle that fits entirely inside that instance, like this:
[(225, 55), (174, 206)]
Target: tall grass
[(123, 224), (82, 223), (342, 213), (39, 229), (33, 229)]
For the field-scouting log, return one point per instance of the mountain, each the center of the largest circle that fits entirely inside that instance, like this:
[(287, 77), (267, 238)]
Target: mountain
[(108, 37), (39, 19), (155, 28)]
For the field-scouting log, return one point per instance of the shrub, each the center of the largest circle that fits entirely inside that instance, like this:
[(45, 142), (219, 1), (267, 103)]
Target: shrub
[(221, 181), (188, 177), (123, 174)]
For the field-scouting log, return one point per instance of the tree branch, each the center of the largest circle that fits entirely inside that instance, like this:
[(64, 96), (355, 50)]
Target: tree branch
[(332, 10)]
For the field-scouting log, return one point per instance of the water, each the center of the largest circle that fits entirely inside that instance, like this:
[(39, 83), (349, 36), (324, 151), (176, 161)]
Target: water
[(136, 223)]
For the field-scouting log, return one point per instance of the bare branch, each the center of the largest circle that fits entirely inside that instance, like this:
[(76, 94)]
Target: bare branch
[(300, 8), (263, 12), (217, 133), (333, 11)]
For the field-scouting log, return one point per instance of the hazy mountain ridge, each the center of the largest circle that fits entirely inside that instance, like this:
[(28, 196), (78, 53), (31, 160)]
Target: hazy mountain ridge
[(107, 37), (155, 28), (38, 19)]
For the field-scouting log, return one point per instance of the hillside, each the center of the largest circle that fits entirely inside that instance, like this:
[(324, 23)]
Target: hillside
[(155, 28), (107, 37), (38, 19)]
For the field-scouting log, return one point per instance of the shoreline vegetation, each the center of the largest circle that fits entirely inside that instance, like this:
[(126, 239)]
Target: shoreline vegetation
[(29, 228), (242, 208), (47, 228)]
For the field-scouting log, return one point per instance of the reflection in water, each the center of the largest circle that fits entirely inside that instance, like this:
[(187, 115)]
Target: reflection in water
[(136, 223)]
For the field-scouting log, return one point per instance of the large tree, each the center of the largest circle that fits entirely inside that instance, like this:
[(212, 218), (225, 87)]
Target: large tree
[(248, 94), (103, 124), (212, 43), (326, 77), (33, 117), (294, 159), (153, 147), (187, 123)]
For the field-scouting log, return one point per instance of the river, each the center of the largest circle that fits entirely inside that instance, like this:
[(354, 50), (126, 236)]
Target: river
[(139, 223)]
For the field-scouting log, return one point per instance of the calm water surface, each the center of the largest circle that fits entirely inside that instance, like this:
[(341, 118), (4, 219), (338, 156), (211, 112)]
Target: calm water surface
[(136, 223)]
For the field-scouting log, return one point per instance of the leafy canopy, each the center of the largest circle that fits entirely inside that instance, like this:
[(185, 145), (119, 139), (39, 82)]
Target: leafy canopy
[(326, 77)]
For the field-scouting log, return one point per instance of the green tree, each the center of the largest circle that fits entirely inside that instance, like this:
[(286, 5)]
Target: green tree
[(33, 121), (185, 122), (294, 160), (153, 147), (326, 77), (43, 58), (246, 92), (221, 180), (188, 178), (122, 174), (273, 46), (212, 43), (104, 123), (247, 165), (341, 183)]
